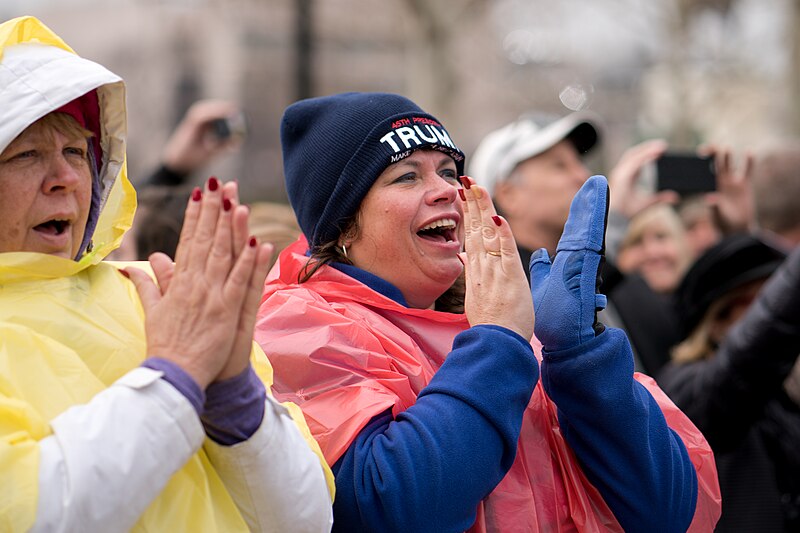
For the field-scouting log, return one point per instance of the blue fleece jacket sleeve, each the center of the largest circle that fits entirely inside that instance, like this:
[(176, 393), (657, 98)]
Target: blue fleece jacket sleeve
[(428, 469), (619, 434)]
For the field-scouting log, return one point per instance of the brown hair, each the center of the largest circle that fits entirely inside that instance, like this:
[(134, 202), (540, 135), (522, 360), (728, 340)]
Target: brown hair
[(62, 123), (330, 252)]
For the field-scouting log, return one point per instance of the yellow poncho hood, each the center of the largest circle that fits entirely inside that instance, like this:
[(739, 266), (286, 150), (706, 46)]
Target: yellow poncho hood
[(39, 73)]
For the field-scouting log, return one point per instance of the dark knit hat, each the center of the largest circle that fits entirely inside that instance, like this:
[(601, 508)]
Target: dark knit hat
[(729, 264), (335, 147)]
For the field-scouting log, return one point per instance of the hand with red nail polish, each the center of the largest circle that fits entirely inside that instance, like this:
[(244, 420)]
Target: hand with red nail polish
[(497, 290), (202, 312)]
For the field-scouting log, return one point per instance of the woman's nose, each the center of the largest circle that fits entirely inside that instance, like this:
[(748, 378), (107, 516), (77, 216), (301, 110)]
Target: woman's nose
[(62, 175), (443, 191)]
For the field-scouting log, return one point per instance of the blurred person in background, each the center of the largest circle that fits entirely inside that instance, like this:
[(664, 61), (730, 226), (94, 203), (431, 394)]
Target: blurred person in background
[(125, 405), (405, 326), (735, 374), (203, 135), (776, 192), (701, 228), (533, 167), (209, 130), (274, 223), (655, 246)]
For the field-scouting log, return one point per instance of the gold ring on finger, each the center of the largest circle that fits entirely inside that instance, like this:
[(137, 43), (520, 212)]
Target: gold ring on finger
[(495, 253)]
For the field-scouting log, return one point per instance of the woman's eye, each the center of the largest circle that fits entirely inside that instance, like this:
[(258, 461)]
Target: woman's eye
[(405, 178), (449, 175), (24, 155), (74, 150)]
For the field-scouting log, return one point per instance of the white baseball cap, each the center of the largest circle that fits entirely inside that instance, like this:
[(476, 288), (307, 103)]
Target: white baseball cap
[(502, 150)]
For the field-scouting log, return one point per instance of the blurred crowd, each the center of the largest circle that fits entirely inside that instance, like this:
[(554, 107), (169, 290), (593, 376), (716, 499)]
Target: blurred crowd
[(705, 283)]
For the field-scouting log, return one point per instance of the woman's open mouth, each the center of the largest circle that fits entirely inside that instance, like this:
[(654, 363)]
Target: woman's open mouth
[(443, 230), (53, 227)]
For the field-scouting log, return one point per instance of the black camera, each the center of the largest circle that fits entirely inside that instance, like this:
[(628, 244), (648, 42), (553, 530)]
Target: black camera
[(685, 173)]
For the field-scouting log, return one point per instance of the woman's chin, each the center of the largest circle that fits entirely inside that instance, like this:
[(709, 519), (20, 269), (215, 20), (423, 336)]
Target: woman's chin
[(447, 271), (430, 281)]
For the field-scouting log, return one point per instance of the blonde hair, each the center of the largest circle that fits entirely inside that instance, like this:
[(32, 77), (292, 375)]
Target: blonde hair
[(659, 213), (274, 223), (699, 344), (664, 216)]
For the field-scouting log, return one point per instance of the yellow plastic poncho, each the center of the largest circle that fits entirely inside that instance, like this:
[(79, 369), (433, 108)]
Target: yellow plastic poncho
[(69, 329)]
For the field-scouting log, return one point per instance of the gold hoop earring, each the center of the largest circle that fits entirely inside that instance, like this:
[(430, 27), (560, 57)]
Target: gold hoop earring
[(344, 251)]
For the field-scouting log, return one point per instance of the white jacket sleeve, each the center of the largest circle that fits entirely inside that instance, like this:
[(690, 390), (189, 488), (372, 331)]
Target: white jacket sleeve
[(108, 459), (275, 479)]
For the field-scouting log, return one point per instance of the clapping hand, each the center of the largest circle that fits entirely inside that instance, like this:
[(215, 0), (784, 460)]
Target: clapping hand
[(497, 290), (200, 316), (565, 291)]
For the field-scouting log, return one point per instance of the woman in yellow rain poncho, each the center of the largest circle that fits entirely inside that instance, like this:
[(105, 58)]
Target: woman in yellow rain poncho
[(102, 428)]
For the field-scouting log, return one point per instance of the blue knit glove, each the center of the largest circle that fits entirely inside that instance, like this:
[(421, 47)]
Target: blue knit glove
[(564, 292)]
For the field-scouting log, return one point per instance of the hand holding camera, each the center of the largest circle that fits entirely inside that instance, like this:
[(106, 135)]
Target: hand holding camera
[(209, 128)]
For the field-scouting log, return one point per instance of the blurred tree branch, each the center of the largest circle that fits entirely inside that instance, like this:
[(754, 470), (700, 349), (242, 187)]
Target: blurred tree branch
[(439, 21)]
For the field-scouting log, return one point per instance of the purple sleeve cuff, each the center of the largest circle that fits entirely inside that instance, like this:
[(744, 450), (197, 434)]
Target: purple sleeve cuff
[(234, 408), (178, 378)]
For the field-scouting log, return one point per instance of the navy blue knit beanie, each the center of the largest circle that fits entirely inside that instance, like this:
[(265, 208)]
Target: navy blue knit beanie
[(335, 147)]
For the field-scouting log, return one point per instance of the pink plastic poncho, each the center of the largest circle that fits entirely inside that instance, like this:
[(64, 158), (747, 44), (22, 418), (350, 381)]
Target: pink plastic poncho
[(345, 353)]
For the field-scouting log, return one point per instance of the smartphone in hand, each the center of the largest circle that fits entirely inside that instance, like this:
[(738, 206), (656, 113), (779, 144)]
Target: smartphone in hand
[(227, 127), (685, 173)]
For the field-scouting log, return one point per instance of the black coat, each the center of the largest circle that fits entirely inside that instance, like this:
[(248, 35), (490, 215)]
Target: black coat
[(737, 400)]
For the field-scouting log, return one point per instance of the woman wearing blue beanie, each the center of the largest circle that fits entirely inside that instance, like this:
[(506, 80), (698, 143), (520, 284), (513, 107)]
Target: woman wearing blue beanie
[(402, 325)]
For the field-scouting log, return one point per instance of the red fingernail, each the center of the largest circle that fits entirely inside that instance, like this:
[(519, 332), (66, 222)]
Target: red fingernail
[(462, 195), (497, 220), (124, 273), (465, 181), (197, 194), (252, 242), (213, 183), (226, 204)]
